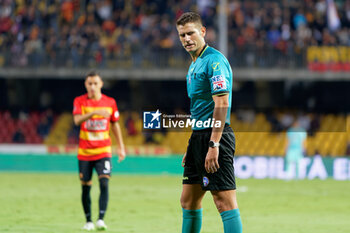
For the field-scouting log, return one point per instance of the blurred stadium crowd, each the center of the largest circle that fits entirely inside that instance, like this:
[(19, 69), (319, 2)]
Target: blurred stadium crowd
[(118, 33)]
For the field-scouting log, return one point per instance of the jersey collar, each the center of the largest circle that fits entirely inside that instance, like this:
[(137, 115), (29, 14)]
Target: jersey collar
[(203, 50)]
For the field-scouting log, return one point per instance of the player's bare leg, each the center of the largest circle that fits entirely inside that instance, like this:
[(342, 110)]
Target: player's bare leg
[(226, 203), (191, 202)]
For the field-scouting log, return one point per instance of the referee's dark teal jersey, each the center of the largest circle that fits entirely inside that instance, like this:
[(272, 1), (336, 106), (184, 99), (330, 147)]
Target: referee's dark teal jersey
[(209, 75)]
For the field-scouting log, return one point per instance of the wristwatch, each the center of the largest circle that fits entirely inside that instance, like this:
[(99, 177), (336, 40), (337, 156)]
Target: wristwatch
[(213, 144)]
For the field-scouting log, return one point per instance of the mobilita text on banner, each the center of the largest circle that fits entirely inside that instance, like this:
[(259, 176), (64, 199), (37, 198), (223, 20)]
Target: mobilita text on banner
[(309, 168)]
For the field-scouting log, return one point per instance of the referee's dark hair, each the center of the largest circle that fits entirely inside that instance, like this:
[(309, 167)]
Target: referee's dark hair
[(189, 17), (92, 73)]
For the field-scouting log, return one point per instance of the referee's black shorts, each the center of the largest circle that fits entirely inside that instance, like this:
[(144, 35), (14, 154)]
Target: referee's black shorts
[(195, 173)]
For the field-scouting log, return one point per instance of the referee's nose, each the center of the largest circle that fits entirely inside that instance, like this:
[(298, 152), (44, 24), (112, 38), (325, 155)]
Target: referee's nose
[(187, 38)]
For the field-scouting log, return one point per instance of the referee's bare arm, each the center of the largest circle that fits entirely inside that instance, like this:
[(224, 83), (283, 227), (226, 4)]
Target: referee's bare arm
[(78, 118), (219, 114), (220, 111)]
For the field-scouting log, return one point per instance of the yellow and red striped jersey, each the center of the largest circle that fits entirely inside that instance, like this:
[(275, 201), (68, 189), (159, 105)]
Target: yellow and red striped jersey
[(94, 138)]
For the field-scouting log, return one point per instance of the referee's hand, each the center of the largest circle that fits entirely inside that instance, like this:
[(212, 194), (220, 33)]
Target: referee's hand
[(212, 160), (183, 160)]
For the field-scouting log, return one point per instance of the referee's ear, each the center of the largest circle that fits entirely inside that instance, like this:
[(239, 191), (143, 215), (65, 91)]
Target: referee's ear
[(203, 31)]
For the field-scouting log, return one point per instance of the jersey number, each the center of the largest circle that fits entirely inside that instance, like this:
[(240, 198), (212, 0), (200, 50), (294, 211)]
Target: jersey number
[(107, 165)]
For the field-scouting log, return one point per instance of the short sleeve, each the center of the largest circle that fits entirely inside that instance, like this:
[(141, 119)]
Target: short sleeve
[(219, 76), (115, 113), (76, 107)]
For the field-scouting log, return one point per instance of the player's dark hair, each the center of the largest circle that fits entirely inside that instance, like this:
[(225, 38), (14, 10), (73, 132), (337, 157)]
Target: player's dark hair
[(189, 17), (92, 74)]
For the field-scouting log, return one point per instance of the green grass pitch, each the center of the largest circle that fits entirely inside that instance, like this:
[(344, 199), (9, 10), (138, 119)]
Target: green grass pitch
[(50, 203)]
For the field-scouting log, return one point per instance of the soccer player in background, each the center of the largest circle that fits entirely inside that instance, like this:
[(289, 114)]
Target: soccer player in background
[(296, 145), (208, 162), (96, 113)]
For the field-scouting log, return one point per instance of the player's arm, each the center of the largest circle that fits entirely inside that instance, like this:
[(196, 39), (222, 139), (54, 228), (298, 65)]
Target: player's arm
[(80, 118), (220, 111), (286, 147), (287, 143), (304, 145), (118, 135)]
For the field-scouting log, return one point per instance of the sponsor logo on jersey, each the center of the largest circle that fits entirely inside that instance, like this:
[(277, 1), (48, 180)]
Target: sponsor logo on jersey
[(96, 124), (215, 66)]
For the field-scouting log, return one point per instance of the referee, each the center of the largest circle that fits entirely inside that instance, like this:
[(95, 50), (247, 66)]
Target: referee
[(208, 162)]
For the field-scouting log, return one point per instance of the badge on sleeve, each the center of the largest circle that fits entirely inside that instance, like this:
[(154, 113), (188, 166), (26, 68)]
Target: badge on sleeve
[(218, 83), (116, 114)]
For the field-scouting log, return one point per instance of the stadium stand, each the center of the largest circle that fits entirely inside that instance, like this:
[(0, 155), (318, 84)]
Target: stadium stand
[(25, 128), (108, 33), (59, 132)]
